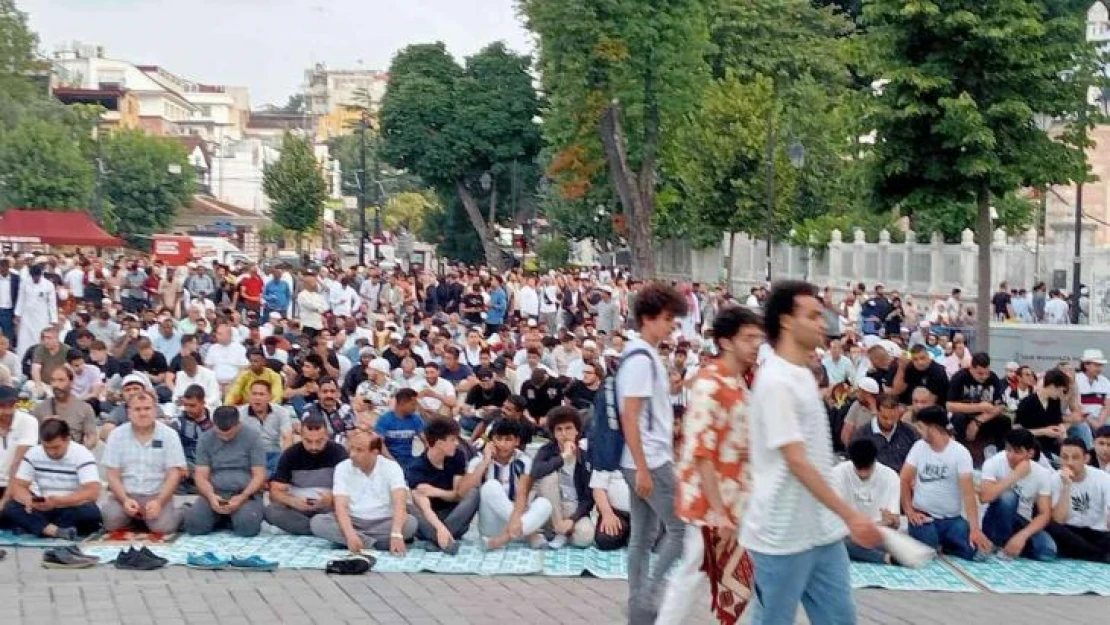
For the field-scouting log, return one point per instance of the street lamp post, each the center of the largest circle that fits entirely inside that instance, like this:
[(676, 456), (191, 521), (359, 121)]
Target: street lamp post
[(797, 155), (362, 194)]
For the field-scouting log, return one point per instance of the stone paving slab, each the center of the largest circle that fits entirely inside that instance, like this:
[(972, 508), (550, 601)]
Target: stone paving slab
[(31, 595)]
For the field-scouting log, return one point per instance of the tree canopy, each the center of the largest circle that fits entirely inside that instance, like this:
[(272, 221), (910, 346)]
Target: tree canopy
[(295, 186), (146, 181)]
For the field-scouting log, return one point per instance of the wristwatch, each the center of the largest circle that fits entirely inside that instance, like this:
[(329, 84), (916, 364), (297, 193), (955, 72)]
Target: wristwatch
[(397, 535)]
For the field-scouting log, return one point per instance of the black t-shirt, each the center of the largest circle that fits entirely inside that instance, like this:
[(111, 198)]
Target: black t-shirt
[(422, 471), (885, 377), (580, 395), (155, 366), (964, 388), (541, 399), (934, 378), (395, 359), (1032, 414), (302, 469), (478, 397), (1001, 302), (111, 367), (474, 300)]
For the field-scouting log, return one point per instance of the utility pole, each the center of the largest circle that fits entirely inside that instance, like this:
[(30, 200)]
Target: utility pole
[(362, 192), (770, 157), (379, 199)]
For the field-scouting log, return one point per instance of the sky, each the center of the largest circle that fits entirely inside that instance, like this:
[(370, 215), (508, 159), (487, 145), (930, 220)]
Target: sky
[(267, 44)]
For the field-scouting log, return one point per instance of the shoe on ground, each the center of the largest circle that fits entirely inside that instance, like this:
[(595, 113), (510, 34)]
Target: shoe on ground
[(153, 556), (354, 565), (139, 560), (252, 563), (64, 559), (206, 561), (77, 553)]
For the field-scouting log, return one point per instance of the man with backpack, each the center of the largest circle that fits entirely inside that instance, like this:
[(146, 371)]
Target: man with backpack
[(633, 430)]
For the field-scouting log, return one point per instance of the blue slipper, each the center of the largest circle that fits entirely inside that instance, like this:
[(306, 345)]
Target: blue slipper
[(252, 563), (206, 561)]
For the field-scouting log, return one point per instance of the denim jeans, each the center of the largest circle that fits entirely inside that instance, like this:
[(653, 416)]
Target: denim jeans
[(818, 578), (952, 536), (863, 554), (1083, 432), (644, 590), (1002, 521)]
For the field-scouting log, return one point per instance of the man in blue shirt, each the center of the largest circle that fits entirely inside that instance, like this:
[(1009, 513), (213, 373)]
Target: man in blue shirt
[(400, 428), (276, 295), (498, 306)]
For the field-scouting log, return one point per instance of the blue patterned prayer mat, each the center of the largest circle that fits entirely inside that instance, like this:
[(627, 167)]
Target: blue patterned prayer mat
[(935, 576), (11, 539), (1027, 577)]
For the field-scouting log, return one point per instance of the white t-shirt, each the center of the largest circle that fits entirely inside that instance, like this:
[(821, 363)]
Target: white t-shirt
[(612, 482), (1092, 394), (226, 361), (63, 476), (371, 495), (1028, 489), (936, 488), (442, 387), (637, 379), (879, 492), (24, 433), (782, 517), (1090, 499)]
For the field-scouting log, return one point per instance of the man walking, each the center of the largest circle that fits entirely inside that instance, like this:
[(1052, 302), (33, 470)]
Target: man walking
[(647, 421), (790, 526)]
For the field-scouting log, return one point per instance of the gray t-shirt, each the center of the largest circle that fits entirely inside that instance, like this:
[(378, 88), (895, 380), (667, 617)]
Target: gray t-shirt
[(277, 423), (230, 461)]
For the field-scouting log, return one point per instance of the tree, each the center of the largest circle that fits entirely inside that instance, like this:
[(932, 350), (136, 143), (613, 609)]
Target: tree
[(294, 105), (409, 210), (955, 119), (296, 187), (146, 180), (42, 166), (464, 131), (17, 53), (617, 75)]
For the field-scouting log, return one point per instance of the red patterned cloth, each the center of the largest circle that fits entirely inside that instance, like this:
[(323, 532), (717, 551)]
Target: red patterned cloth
[(731, 574)]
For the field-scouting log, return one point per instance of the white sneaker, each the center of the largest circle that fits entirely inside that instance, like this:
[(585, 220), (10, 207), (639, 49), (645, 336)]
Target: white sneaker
[(558, 542)]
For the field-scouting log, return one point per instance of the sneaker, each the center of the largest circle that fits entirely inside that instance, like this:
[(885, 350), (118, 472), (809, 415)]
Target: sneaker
[(77, 553), (147, 553), (64, 559), (558, 542), (252, 563), (354, 565), (139, 560), (206, 561)]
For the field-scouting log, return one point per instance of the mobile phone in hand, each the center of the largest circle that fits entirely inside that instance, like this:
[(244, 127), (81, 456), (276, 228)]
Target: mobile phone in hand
[(38, 499), (223, 502), (311, 502)]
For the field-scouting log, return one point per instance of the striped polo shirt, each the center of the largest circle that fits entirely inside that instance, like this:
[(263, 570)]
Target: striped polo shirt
[(62, 476)]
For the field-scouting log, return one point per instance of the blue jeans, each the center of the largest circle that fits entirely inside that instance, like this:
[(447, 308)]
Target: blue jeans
[(7, 325), (818, 578), (1083, 432), (863, 554), (1002, 521), (272, 458), (953, 536)]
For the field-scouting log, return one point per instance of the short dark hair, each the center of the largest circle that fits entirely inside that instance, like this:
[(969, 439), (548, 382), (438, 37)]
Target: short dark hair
[(194, 391), (731, 319), (933, 415), (980, 359), (862, 452), (1057, 378), (439, 429), (265, 383), (520, 403), (255, 351), (405, 394), (918, 349), (564, 414), (1103, 432), (313, 422), (655, 299), (327, 379), (52, 429), (1021, 439), (75, 354), (1075, 441), (505, 427), (887, 400), (782, 302)]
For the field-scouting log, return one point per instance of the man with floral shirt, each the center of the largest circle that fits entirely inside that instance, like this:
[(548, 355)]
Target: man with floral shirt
[(713, 481)]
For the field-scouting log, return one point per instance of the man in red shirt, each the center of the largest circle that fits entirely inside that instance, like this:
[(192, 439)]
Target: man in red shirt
[(250, 290)]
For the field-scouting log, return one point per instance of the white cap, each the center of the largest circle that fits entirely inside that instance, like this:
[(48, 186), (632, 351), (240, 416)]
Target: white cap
[(868, 385), (380, 364), (1093, 355), (395, 337), (137, 378), (1012, 366), (588, 344)]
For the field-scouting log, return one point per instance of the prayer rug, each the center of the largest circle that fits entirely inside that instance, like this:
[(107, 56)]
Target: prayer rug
[(11, 539), (126, 538), (1028, 577), (934, 576)]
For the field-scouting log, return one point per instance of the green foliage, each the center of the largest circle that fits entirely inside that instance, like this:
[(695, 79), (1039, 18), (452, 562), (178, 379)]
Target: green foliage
[(449, 228), (294, 105), (409, 210), (143, 192), (295, 186), (817, 231), (553, 253), (42, 166), (17, 55)]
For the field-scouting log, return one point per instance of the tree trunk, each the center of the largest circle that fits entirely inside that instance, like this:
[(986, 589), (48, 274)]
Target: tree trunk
[(485, 231), (635, 192), (983, 295)]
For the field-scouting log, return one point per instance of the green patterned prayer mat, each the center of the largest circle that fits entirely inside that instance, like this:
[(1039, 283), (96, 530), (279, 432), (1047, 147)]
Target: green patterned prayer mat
[(1028, 577), (935, 576), (11, 539)]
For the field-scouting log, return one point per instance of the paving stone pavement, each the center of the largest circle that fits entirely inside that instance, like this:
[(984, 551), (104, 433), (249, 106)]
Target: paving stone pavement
[(31, 595)]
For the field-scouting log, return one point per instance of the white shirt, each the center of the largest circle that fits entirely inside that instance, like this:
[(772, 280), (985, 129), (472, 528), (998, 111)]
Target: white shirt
[(879, 492), (312, 306), (204, 378), (646, 378), (1038, 483), (549, 299), (371, 495), (783, 517), (1090, 499), (612, 482), (936, 488), (143, 466), (23, 433), (1094, 392), (1056, 311), (64, 476), (529, 302), (75, 281), (226, 361), (442, 387)]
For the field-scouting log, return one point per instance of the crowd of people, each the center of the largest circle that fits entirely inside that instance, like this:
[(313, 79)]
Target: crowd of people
[(754, 447)]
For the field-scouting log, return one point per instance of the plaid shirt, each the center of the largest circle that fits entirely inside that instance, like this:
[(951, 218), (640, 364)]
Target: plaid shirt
[(144, 465)]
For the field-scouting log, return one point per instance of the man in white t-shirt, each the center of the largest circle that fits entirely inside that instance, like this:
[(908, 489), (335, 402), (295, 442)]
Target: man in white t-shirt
[(1018, 494), (371, 499), (225, 357), (938, 487), (437, 396), (794, 525), (647, 462), (19, 431), (1080, 506), (872, 488)]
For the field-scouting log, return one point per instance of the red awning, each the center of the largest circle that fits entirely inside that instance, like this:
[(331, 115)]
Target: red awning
[(53, 228)]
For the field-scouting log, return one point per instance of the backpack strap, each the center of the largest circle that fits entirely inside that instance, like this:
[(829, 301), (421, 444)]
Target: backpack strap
[(640, 352)]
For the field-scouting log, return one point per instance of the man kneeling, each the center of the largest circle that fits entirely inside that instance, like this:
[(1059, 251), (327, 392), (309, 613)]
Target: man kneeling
[(563, 479), (301, 487), (229, 474), (145, 462), (443, 509), (371, 500), (872, 488)]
